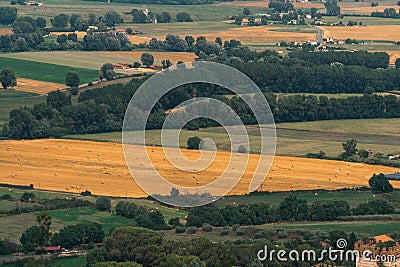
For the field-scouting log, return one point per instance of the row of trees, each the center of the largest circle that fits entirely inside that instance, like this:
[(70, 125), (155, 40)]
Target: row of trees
[(373, 60), (290, 209), (103, 109), (139, 16)]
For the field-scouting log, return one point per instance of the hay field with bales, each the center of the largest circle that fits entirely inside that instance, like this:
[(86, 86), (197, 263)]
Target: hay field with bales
[(76, 166)]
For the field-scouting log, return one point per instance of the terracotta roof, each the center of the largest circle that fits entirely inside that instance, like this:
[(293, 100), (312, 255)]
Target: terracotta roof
[(382, 238), (52, 248)]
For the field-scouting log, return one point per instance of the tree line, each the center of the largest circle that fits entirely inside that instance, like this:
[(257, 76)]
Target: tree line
[(103, 110), (290, 209), (372, 60)]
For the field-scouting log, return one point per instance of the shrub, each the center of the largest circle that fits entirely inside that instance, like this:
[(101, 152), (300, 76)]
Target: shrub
[(226, 230), (103, 203), (86, 193), (193, 142), (207, 227), (180, 230), (242, 149), (26, 197), (191, 230), (74, 91)]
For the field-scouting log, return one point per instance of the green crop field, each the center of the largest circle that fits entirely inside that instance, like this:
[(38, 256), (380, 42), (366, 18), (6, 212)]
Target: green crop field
[(10, 99), (296, 139), (44, 71)]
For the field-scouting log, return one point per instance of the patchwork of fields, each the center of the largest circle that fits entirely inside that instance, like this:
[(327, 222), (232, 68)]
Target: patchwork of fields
[(76, 166)]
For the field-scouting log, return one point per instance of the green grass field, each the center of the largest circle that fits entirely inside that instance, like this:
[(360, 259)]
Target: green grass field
[(296, 139), (44, 71), (10, 99), (63, 262)]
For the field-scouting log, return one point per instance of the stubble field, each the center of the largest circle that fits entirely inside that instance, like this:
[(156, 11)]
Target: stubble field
[(380, 32), (76, 166)]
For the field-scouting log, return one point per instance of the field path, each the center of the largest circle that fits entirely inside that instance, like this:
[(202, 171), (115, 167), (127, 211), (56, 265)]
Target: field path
[(76, 166)]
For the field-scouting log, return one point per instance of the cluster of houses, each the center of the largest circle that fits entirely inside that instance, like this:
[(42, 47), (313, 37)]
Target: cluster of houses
[(32, 3), (128, 66)]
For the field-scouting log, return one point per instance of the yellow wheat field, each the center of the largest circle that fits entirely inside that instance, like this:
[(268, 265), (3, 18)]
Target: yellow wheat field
[(76, 166), (365, 9), (387, 32), (38, 87), (255, 35), (174, 57)]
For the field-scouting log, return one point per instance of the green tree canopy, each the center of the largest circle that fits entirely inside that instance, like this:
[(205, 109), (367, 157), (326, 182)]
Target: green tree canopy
[(8, 78), (147, 59), (72, 79), (380, 184)]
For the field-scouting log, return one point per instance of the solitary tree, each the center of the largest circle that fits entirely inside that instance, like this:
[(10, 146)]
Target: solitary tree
[(397, 63), (104, 69), (136, 64), (350, 149), (8, 78), (147, 59), (380, 184), (246, 11), (166, 63), (44, 222), (72, 79), (193, 142)]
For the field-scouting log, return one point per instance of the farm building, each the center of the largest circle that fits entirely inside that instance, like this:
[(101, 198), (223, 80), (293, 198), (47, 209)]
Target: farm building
[(389, 254), (52, 249)]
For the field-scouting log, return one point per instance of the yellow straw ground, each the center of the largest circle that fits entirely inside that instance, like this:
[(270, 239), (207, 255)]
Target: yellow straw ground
[(76, 166)]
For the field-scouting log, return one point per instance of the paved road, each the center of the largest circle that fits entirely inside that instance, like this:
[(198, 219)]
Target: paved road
[(320, 34)]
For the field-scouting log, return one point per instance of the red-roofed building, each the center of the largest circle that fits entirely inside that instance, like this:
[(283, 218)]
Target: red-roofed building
[(52, 249)]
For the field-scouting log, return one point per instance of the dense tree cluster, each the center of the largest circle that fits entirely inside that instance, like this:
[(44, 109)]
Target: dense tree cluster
[(8, 15), (73, 235), (290, 209), (280, 6), (152, 219), (387, 13), (105, 41), (103, 109), (359, 58), (332, 8)]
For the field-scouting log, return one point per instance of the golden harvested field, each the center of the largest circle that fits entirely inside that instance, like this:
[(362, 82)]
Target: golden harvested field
[(76, 166), (382, 32), (255, 35), (309, 5), (38, 87), (5, 31), (158, 56), (365, 9)]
